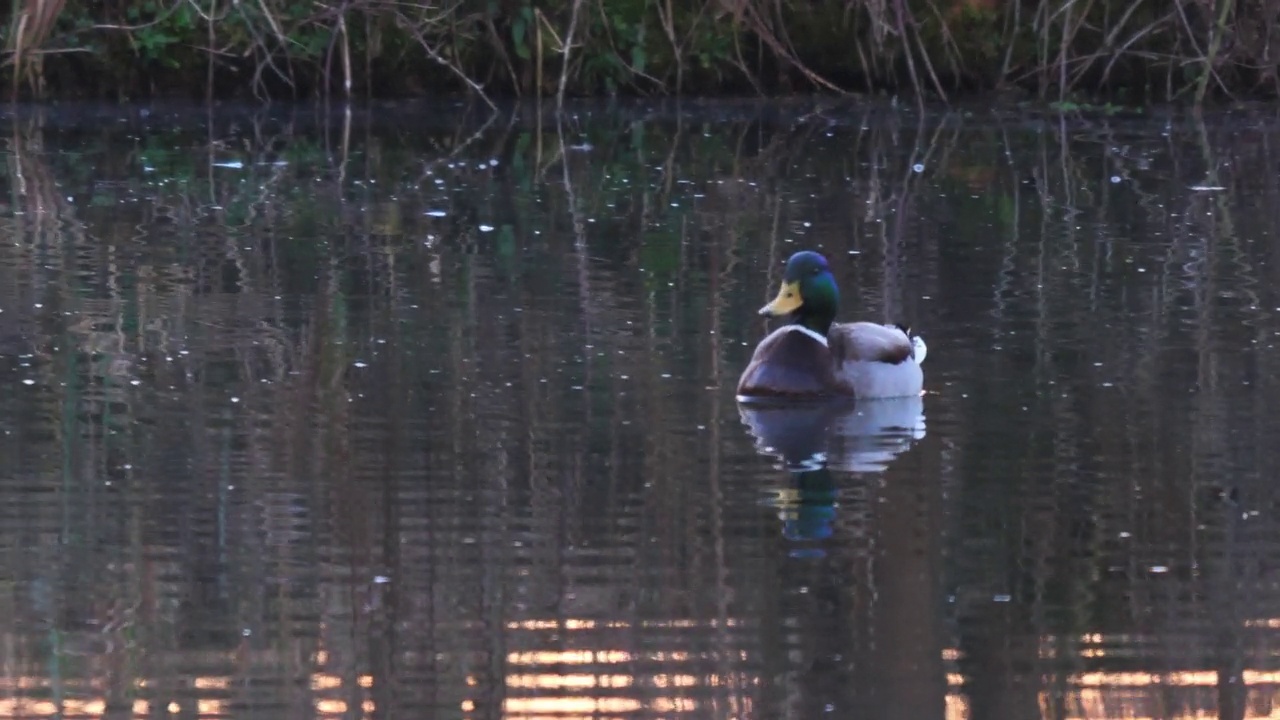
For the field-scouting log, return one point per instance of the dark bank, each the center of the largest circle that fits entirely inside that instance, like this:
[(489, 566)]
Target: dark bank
[(1128, 53)]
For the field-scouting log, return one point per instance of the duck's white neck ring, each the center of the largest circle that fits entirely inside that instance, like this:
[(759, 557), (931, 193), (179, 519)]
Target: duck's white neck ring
[(800, 328)]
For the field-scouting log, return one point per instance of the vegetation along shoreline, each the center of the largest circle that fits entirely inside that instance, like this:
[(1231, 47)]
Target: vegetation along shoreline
[(1130, 52)]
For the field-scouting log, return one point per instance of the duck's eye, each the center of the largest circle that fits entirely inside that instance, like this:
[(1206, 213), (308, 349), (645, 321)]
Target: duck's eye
[(816, 271)]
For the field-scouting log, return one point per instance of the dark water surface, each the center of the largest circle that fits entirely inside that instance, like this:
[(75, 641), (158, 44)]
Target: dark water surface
[(392, 414)]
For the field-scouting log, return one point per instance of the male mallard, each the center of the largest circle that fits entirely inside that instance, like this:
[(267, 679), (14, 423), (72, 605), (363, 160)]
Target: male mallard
[(811, 357)]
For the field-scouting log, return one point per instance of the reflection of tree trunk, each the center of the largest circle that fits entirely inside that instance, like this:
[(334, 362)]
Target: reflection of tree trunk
[(42, 229), (1228, 578), (390, 600), (998, 661), (494, 465), (858, 631), (716, 497), (1211, 441), (905, 671)]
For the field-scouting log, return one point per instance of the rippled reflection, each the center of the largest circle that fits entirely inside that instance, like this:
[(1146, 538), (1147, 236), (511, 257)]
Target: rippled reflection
[(401, 412)]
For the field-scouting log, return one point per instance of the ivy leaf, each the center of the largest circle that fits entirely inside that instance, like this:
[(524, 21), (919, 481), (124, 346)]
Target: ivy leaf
[(518, 38)]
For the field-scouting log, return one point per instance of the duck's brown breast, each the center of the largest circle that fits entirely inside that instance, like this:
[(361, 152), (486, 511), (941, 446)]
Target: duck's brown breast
[(789, 363)]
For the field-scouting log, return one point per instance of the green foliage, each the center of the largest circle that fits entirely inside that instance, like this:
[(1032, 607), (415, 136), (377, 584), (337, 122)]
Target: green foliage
[(154, 42), (522, 30), (274, 47)]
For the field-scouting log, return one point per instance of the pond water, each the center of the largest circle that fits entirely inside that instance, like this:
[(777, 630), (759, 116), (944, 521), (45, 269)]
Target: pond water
[(424, 412)]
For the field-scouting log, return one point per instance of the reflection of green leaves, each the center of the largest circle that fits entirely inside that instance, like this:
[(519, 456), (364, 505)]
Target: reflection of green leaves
[(622, 191), (234, 213), (165, 163), (507, 241), (1005, 210), (637, 137), (519, 166), (304, 153), (660, 254)]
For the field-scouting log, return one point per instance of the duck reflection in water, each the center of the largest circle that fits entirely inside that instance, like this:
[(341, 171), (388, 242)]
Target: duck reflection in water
[(812, 439)]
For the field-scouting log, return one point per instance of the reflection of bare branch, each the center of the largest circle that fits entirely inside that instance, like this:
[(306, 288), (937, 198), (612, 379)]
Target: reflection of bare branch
[(376, 419), (579, 231), (892, 232), (459, 147)]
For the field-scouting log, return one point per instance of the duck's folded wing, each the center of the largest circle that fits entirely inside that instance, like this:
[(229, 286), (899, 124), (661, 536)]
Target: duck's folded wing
[(868, 342)]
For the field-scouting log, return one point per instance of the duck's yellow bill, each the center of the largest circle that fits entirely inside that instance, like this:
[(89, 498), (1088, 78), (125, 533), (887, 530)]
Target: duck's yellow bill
[(787, 302)]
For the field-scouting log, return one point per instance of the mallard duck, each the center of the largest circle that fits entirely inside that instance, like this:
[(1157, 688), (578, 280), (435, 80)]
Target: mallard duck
[(812, 357)]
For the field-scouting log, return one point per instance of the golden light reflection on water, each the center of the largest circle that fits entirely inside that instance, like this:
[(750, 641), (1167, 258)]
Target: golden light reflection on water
[(1098, 696), (574, 704), (1201, 678), (589, 707), (571, 681), (586, 683), (1111, 703)]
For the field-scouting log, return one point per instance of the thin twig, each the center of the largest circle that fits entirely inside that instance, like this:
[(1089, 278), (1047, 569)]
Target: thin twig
[(613, 45), (506, 57), (1215, 42), (459, 147), (766, 35), (928, 64), (666, 18), (567, 47), (1110, 42), (900, 11), (1011, 30), (208, 92), (346, 56), (404, 23)]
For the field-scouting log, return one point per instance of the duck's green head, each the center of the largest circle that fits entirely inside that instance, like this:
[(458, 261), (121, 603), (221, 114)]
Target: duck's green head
[(808, 294)]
